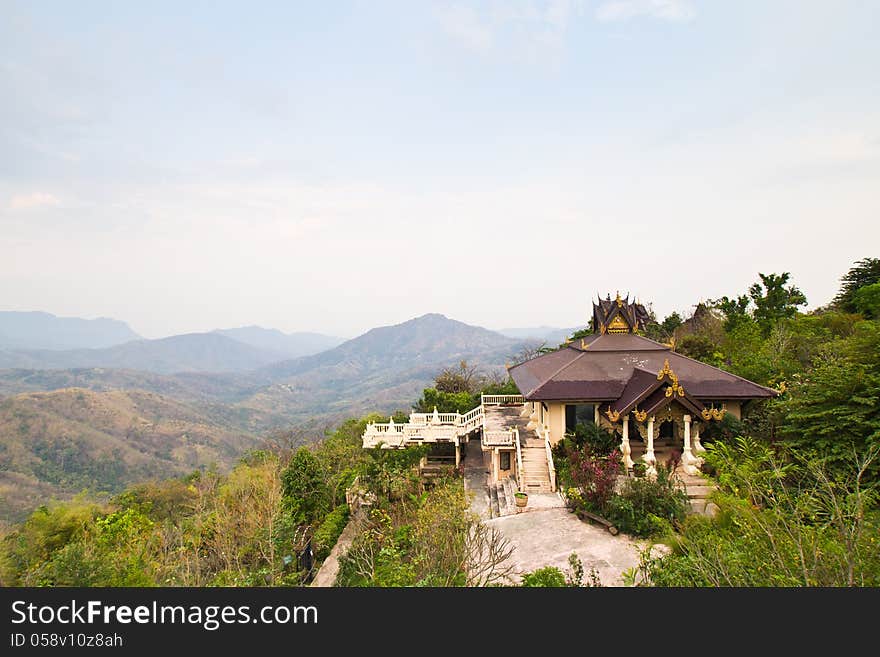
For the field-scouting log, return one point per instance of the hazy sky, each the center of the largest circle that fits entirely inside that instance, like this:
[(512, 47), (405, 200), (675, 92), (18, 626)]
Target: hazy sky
[(335, 166)]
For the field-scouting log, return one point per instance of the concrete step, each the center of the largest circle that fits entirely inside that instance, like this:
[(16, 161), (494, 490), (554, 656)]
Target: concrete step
[(509, 489), (700, 491), (502, 501)]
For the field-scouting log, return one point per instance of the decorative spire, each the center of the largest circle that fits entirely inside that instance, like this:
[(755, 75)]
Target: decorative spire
[(618, 315), (665, 370)]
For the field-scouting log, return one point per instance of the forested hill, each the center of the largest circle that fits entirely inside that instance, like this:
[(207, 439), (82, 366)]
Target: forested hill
[(383, 369), (431, 338), (104, 427), (55, 444)]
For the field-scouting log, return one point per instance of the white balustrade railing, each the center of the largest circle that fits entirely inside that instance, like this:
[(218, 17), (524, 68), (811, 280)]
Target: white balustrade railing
[(435, 426), (497, 400), (472, 414), (519, 467), (385, 428), (497, 438), (550, 459)]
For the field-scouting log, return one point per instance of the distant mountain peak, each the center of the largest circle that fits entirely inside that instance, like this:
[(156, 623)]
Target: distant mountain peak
[(287, 345), (37, 329)]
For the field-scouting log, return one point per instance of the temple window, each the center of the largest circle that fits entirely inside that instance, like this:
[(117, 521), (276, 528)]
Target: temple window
[(579, 414)]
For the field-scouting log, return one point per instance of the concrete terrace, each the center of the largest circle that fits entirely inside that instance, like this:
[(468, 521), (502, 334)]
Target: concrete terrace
[(547, 536)]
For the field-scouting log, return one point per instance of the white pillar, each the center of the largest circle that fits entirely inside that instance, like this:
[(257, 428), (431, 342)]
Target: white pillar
[(534, 416), (687, 456), (698, 446), (649, 457), (457, 454), (596, 414), (624, 445), (496, 463), (435, 418)]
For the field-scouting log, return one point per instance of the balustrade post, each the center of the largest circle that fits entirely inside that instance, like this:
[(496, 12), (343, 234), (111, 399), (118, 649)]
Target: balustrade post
[(698, 446), (649, 457), (625, 448), (687, 456)]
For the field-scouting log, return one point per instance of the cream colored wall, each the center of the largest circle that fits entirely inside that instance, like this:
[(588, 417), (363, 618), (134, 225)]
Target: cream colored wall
[(734, 408), (496, 462), (555, 419)]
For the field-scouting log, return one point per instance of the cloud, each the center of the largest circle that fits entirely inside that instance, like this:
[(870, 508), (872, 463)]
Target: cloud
[(668, 10), (33, 201), (465, 25), (511, 26)]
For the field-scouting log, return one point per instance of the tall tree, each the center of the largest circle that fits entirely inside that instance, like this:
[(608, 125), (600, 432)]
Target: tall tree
[(304, 486), (735, 311), (464, 378), (865, 272), (835, 407), (774, 300)]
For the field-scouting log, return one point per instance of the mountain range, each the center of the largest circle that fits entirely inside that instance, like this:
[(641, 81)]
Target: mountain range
[(39, 330), (103, 418), (291, 345), (549, 334), (35, 340)]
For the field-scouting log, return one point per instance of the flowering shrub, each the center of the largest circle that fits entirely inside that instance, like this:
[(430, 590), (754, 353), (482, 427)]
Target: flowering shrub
[(595, 476), (649, 507)]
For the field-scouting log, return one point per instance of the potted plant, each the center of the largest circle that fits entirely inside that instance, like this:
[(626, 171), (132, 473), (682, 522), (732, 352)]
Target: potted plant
[(521, 498), (639, 469)]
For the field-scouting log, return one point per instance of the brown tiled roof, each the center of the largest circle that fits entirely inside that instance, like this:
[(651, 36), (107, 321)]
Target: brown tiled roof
[(658, 398), (611, 367), (641, 384)]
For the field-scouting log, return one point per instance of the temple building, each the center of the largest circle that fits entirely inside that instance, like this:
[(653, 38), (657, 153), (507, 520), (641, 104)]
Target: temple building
[(657, 402), (635, 386)]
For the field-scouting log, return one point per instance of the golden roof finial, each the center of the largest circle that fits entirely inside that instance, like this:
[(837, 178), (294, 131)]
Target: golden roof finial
[(665, 371), (619, 300)]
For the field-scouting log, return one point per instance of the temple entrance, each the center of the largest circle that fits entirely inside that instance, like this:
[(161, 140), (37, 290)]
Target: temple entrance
[(668, 441), (667, 445)]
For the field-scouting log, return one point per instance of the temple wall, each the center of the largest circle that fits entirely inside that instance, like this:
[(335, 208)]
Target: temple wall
[(555, 419), (734, 408)]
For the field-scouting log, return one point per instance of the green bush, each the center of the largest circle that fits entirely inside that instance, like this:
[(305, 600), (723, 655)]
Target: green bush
[(648, 507), (598, 441), (328, 533), (546, 577)]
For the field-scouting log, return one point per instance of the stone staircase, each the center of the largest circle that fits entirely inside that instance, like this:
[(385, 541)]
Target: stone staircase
[(698, 490), (501, 499), (536, 471), (698, 487)]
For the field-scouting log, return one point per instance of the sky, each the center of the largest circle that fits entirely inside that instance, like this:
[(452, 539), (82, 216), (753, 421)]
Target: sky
[(336, 166)]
